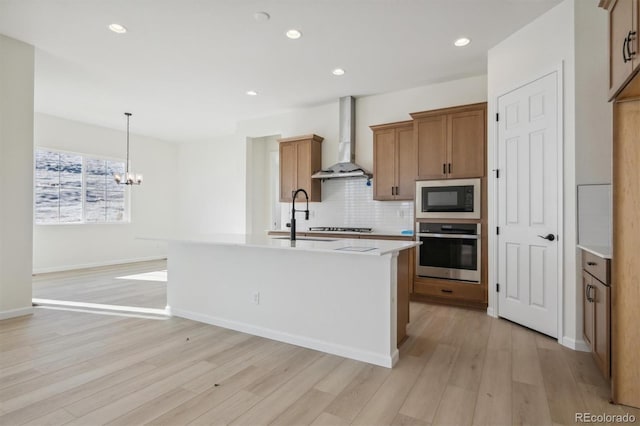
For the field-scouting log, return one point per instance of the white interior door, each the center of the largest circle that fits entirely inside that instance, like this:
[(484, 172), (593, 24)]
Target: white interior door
[(528, 205)]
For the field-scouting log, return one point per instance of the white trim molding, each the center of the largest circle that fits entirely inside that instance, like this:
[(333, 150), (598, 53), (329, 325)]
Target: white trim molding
[(14, 313), (575, 344), (65, 268)]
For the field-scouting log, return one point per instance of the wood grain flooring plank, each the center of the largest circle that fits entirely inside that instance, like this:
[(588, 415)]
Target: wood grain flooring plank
[(305, 410), (129, 402), (493, 405), (529, 405), (525, 361), (424, 398), (153, 408), (210, 398), (285, 395), (383, 406), (563, 395), (355, 396), (338, 379), (229, 410), (42, 407), (402, 420), (456, 407), (326, 419), (58, 417)]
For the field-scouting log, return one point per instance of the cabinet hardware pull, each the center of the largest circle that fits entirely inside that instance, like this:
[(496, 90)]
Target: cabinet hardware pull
[(591, 263), (445, 290), (397, 190), (444, 168), (586, 293), (624, 50), (630, 38), (449, 168), (590, 298)]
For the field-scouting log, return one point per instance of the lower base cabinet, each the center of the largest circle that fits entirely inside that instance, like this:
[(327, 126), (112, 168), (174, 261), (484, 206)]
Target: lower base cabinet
[(596, 306)]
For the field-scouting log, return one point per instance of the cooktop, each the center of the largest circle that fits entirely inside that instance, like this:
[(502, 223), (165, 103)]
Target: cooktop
[(339, 229)]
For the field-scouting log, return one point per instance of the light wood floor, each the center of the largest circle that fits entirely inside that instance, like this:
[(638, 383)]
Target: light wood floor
[(459, 367)]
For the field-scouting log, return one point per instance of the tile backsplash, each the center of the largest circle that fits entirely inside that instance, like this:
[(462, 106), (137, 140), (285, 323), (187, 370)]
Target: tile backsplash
[(349, 202)]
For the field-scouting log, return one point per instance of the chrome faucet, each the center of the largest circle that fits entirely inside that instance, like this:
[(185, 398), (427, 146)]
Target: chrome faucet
[(293, 211)]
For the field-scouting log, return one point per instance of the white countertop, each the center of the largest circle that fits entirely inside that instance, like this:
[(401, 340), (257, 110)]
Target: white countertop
[(346, 234), (600, 251), (334, 245)]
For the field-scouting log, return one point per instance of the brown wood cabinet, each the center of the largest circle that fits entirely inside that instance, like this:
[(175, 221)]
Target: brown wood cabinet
[(300, 157), (394, 165), (597, 309), (450, 143), (623, 42), (625, 288)]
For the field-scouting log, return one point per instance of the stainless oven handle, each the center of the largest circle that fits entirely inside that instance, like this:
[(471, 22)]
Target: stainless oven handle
[(459, 236)]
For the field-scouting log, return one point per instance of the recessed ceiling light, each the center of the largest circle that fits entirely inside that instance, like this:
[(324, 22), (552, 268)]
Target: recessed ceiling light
[(117, 28), (252, 93), (261, 16), (294, 34), (338, 71), (462, 41)]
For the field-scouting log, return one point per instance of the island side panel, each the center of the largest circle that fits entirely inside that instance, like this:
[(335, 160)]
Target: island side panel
[(340, 303)]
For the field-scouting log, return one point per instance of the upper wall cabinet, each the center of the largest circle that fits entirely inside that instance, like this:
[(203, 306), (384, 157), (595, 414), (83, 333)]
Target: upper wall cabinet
[(300, 157), (451, 142), (394, 163), (624, 16)]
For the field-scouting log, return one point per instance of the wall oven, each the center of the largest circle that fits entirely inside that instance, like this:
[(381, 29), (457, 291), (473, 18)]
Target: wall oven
[(448, 199), (449, 250)]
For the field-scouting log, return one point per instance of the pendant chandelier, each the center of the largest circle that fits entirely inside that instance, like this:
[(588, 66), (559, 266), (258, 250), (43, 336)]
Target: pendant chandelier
[(129, 178)]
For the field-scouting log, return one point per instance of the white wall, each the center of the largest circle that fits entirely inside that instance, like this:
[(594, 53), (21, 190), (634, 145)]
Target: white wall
[(212, 186), (594, 114), (16, 176), (153, 207), (538, 48)]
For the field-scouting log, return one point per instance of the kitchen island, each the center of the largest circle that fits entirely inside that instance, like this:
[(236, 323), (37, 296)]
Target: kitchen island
[(338, 296)]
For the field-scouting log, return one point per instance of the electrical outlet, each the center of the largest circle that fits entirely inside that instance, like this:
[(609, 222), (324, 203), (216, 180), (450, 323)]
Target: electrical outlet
[(256, 298)]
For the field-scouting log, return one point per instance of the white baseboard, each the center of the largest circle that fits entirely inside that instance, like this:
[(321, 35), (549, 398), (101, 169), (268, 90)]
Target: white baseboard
[(491, 312), (63, 268), (306, 342), (576, 345), (16, 313)]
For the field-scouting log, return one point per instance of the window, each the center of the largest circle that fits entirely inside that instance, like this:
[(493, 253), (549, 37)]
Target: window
[(70, 188)]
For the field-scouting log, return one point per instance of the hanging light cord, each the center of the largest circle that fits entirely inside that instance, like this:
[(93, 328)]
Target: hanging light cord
[(128, 114)]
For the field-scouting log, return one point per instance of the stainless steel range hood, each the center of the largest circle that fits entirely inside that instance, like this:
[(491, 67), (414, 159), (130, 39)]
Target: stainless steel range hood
[(346, 166)]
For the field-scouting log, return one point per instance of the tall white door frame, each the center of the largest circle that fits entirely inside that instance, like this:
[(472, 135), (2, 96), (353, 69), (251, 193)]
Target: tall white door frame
[(493, 308)]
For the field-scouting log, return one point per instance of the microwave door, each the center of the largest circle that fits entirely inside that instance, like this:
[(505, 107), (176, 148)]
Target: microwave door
[(445, 199)]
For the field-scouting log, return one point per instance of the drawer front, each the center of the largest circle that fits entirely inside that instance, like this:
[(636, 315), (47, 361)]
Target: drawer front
[(596, 266), (444, 290)]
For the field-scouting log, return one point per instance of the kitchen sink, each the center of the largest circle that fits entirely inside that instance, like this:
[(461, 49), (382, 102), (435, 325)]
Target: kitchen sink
[(305, 239)]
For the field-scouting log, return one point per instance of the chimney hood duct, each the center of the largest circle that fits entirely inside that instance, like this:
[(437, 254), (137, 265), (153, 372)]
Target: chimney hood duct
[(346, 166)]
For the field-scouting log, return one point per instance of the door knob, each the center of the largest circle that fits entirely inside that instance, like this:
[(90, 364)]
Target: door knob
[(549, 237)]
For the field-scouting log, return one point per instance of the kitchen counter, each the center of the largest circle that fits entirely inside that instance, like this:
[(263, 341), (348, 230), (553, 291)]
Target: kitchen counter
[(368, 247), (346, 234), (348, 297), (600, 251)]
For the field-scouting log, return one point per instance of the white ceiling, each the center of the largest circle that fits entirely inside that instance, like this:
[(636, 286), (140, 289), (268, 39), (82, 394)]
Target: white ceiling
[(184, 66)]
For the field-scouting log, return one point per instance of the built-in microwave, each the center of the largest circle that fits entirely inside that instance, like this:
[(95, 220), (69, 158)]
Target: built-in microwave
[(448, 199)]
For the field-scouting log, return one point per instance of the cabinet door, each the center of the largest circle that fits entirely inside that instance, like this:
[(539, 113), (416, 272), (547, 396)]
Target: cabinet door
[(384, 164), (431, 139), (466, 144), (602, 342), (587, 309), (288, 170), (621, 21), (406, 164), (303, 169)]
